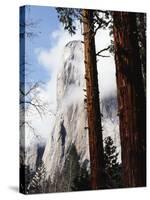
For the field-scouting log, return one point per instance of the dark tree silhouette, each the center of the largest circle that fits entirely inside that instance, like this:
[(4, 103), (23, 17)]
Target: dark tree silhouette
[(131, 99), (113, 169)]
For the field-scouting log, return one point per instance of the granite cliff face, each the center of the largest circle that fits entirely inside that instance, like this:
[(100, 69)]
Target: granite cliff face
[(71, 117)]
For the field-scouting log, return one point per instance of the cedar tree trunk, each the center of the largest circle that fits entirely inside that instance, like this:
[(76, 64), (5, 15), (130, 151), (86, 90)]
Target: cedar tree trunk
[(93, 103), (131, 99)]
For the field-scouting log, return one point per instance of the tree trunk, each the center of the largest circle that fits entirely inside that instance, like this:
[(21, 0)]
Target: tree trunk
[(93, 107), (141, 25), (131, 99)]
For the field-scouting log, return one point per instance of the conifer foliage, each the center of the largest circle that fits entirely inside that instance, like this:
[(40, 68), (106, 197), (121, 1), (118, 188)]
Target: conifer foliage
[(37, 185), (112, 165)]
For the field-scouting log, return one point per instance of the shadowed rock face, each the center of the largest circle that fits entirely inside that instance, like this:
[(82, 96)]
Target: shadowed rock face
[(34, 155), (71, 117), (110, 120)]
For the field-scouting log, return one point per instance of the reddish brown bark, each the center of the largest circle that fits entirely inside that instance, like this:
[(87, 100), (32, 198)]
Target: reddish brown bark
[(141, 21), (93, 107), (131, 99)]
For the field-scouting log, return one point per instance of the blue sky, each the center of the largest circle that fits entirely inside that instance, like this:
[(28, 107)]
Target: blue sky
[(45, 21)]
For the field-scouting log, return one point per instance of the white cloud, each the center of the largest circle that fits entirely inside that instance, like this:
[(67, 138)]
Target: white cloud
[(106, 66), (50, 59)]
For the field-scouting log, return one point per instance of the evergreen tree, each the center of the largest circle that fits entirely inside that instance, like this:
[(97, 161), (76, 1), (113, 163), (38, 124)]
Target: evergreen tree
[(112, 166), (82, 181), (67, 17), (112, 170), (26, 175), (37, 185), (131, 99)]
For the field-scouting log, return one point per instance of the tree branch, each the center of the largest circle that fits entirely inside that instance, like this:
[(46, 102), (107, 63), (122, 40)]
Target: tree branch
[(105, 49)]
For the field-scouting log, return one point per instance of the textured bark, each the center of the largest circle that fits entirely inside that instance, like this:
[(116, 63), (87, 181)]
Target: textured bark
[(141, 25), (93, 107), (131, 99)]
